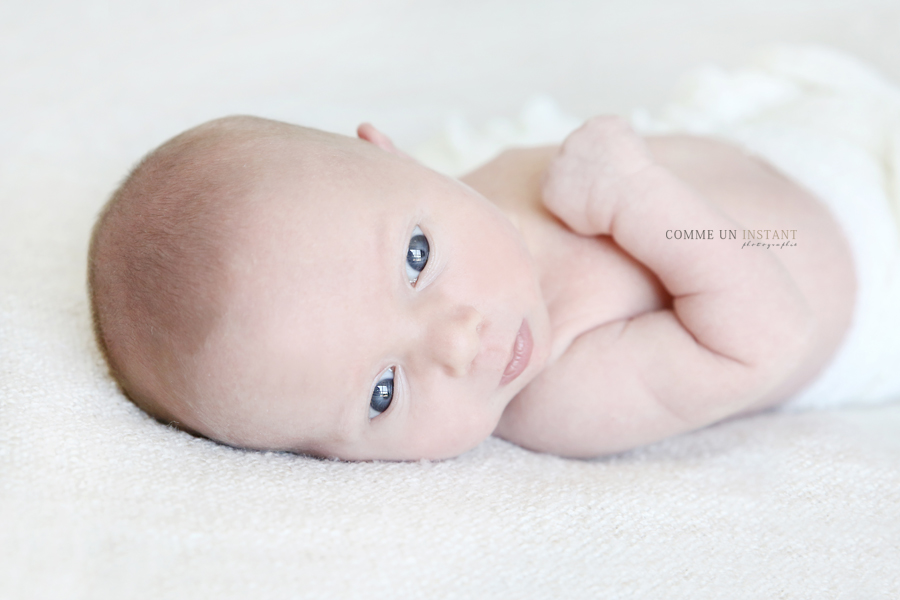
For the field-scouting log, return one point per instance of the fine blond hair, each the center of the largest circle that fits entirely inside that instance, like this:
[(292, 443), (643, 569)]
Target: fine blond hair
[(156, 262)]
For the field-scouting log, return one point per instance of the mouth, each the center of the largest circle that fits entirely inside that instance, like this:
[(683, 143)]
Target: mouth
[(521, 354)]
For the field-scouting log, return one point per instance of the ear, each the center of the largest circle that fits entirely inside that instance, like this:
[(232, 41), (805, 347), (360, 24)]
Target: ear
[(367, 132)]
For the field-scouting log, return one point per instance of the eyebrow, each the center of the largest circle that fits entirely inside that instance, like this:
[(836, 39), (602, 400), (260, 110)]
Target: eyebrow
[(390, 228)]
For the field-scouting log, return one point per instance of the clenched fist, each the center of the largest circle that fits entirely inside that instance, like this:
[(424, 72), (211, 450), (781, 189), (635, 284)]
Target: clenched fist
[(594, 172)]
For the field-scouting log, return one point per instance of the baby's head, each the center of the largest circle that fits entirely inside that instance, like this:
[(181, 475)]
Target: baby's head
[(276, 287)]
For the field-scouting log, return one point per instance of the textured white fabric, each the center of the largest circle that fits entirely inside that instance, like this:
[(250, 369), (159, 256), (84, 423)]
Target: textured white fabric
[(98, 501)]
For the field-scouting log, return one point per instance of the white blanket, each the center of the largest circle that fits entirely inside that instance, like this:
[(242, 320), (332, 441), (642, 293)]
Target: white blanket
[(99, 501)]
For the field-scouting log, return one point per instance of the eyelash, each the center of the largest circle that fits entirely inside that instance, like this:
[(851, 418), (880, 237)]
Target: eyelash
[(418, 247), (384, 387), (385, 383)]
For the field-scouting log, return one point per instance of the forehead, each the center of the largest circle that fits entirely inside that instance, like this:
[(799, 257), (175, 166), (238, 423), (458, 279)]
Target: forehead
[(316, 282)]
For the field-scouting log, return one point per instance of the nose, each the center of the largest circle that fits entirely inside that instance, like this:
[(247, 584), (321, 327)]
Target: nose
[(454, 339)]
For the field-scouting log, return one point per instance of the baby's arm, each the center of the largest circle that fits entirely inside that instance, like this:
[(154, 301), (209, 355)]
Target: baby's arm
[(737, 328)]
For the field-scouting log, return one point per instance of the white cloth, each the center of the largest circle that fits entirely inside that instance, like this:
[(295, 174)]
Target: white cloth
[(832, 124)]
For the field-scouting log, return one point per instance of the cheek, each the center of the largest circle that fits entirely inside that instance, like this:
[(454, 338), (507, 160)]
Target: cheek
[(450, 441), (496, 257), (449, 433)]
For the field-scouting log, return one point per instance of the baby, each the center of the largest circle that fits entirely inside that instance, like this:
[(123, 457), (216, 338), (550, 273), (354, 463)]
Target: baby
[(275, 287)]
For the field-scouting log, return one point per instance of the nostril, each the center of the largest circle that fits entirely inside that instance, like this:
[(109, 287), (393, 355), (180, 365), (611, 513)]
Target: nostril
[(474, 333), (466, 341), (453, 338), (475, 316), (474, 323)]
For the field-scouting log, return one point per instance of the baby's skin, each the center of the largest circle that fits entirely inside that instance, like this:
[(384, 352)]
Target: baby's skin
[(652, 335), (380, 310)]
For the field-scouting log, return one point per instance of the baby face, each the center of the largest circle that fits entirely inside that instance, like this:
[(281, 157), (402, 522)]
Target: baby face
[(378, 311)]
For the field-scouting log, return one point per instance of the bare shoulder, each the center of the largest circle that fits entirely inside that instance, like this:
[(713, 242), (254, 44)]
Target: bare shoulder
[(513, 177)]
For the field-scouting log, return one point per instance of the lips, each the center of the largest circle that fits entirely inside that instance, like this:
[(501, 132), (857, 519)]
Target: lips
[(521, 354)]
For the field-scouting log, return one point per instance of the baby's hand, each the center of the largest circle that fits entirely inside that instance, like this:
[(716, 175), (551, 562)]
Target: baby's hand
[(595, 170), (737, 327)]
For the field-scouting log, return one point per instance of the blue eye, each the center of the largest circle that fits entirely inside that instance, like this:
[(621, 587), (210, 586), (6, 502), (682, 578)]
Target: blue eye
[(417, 255), (382, 394)]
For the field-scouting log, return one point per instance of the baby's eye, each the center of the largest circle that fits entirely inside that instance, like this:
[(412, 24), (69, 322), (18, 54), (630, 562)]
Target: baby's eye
[(417, 255), (382, 394)]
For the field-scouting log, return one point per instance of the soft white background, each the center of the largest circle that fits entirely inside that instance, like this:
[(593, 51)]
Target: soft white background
[(96, 501)]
